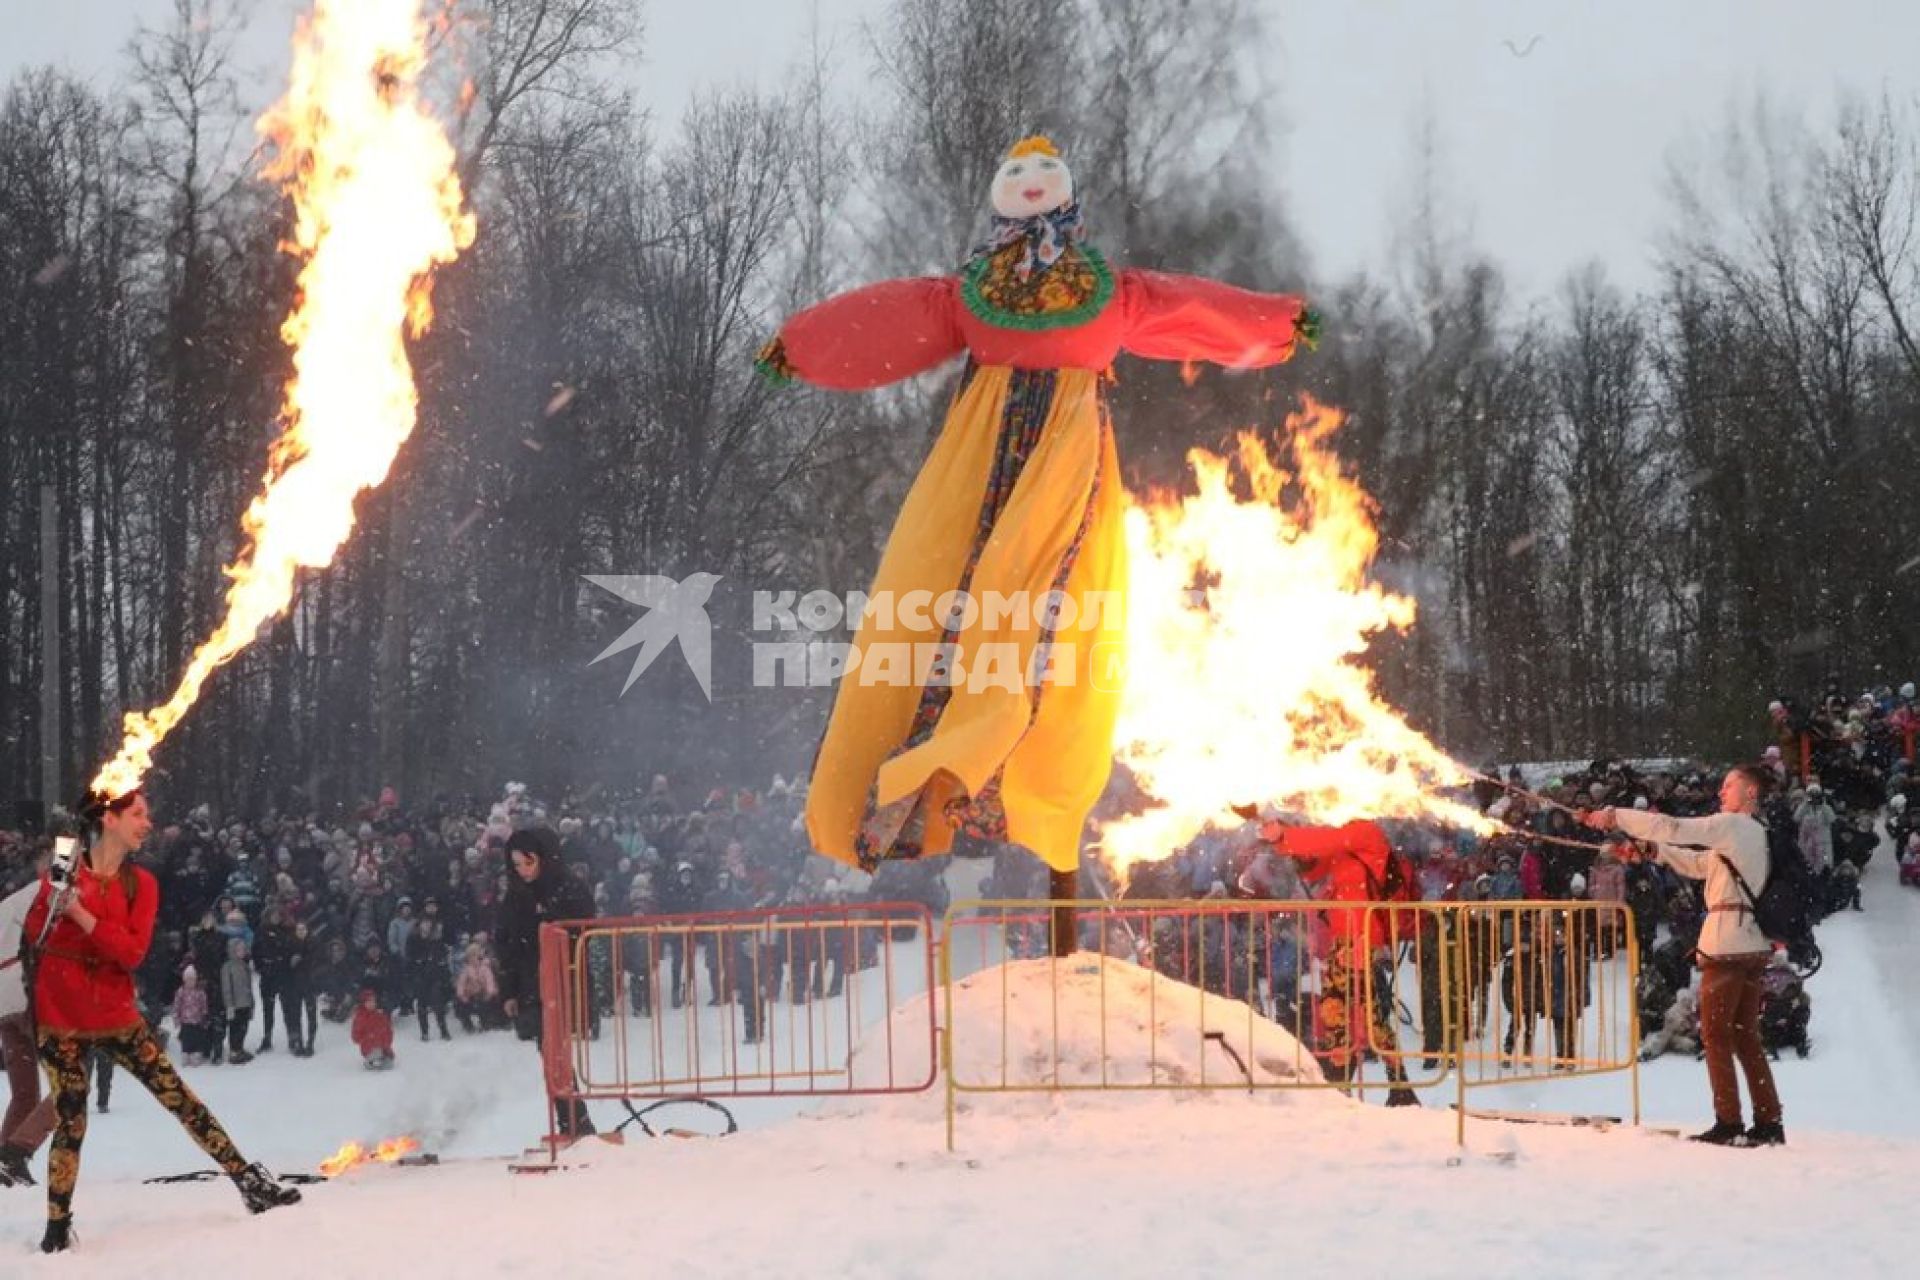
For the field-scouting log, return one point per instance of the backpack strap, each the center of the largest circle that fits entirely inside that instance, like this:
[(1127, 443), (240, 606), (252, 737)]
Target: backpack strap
[(1753, 902)]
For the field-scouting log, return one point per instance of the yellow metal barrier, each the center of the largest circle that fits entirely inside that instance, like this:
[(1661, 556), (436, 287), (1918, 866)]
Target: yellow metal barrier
[(1442, 989), (1547, 991), (743, 1004)]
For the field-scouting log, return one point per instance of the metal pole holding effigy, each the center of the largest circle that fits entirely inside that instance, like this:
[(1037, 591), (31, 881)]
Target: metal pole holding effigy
[(1063, 888)]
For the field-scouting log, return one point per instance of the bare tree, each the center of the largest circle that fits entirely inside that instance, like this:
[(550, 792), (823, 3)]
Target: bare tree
[(189, 117), (1176, 96), (1610, 466), (536, 52), (964, 79), (1871, 196)]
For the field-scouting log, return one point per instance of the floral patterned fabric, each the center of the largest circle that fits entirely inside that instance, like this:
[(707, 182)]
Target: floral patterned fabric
[(136, 1051), (1039, 240), (773, 363), (1071, 291)]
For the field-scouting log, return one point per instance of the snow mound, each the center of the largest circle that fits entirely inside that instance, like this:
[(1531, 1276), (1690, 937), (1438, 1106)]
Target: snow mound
[(1084, 1022)]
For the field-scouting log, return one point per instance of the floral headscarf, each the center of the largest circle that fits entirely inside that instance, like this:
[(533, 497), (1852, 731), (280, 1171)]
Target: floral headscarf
[(1047, 236)]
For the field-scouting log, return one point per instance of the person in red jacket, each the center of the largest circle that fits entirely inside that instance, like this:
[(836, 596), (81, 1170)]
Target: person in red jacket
[(83, 1004), (1352, 863), (372, 1030)]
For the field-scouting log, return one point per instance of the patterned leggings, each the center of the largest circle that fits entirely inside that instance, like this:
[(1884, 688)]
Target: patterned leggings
[(67, 1061), (1343, 1008)]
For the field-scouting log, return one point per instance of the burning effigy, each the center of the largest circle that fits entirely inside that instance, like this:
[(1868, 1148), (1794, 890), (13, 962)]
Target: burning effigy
[(993, 714)]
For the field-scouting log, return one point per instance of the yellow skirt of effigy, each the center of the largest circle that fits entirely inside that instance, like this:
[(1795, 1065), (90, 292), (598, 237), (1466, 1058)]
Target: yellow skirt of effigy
[(996, 718)]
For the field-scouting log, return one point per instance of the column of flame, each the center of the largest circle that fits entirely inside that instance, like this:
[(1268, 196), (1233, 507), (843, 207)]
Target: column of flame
[(377, 206), (1247, 618)]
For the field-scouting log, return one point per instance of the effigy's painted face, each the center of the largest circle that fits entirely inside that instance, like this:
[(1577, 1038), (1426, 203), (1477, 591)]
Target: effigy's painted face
[(1030, 185)]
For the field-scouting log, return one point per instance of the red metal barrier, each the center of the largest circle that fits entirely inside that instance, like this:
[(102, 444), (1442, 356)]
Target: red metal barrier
[(741, 1004)]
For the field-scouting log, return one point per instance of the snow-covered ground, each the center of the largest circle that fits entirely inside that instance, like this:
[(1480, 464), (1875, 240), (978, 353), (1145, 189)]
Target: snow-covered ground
[(1126, 1186)]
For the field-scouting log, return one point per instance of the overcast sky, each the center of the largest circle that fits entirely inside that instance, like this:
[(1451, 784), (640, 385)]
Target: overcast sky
[(1556, 157)]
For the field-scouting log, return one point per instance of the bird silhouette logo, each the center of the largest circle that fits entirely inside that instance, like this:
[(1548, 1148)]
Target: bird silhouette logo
[(674, 611)]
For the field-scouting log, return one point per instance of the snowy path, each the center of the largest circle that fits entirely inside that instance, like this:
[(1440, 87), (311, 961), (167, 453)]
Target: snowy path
[(1890, 929)]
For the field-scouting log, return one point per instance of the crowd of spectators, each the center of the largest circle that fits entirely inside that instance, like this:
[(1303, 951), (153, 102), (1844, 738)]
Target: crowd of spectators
[(283, 925), (287, 924)]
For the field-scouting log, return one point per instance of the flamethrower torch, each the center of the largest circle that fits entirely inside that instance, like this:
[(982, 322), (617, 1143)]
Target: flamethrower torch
[(1251, 813), (66, 856)]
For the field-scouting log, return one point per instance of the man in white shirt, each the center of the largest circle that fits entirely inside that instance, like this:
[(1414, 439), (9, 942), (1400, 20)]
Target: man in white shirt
[(1733, 953)]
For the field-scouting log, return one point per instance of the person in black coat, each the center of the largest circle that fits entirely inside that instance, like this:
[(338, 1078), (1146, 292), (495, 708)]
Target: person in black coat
[(270, 950), (383, 975), (298, 998), (207, 952), (538, 891), (680, 894), (332, 981), (428, 968)]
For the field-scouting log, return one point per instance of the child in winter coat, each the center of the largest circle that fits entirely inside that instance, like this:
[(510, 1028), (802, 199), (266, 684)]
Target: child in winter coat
[(1785, 1009), (1506, 886), (476, 990), (1609, 884), (236, 926), (1679, 1031), (236, 994), (1846, 891), (333, 981), (373, 1030), (1910, 862), (192, 1016)]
